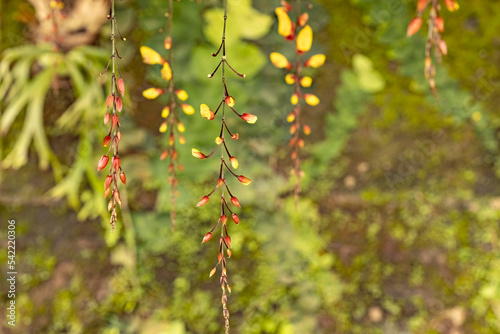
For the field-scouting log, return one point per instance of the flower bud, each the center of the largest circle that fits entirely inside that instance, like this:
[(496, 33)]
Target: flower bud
[(110, 205), (164, 155), (306, 81), (304, 39), (220, 182), (182, 94), (114, 121), (235, 202), (414, 26), (119, 104), (163, 127), (121, 86), (165, 112), (223, 219), (451, 5), (229, 100), (235, 136), (286, 5), (204, 200), (294, 99), (219, 257), (249, 118), (152, 93), (207, 237), (123, 177), (229, 253), (150, 56), (116, 162), (181, 127), (219, 140), (109, 101), (107, 117), (442, 47), (311, 99), (307, 130), (167, 43), (421, 4), (235, 218), (315, 61), (291, 117), (188, 109), (107, 192), (280, 61), (290, 78), (234, 162), (440, 24), (212, 272), (245, 180), (197, 154), (166, 71), (227, 240), (285, 25), (303, 19), (106, 140), (107, 182), (102, 162)]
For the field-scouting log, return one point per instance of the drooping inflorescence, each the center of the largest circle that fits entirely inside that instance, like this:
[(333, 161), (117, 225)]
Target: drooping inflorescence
[(302, 36), (114, 105), (228, 163), (434, 41), (170, 112)]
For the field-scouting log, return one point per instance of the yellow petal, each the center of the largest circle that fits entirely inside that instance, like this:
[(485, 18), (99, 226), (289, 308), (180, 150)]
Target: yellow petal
[(152, 93), (180, 127), (291, 117), (188, 109), (165, 112), (306, 81), (163, 127), (290, 79), (206, 112), (218, 140), (311, 99), (166, 72), (182, 94), (315, 61), (234, 162), (150, 56), (294, 99), (280, 61), (304, 39), (285, 27)]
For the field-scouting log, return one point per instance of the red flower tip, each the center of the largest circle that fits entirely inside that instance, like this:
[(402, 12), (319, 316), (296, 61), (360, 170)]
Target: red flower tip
[(207, 237), (235, 218), (107, 182), (106, 140), (121, 86), (204, 200), (235, 202), (102, 162), (227, 240), (223, 219), (116, 162), (123, 177)]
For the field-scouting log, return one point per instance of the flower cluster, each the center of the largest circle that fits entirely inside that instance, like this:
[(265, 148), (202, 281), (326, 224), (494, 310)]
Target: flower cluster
[(228, 163), (114, 106), (434, 40), (170, 112), (302, 35)]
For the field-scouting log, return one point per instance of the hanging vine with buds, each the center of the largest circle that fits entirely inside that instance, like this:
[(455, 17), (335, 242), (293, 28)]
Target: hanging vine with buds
[(227, 103), (434, 41), (114, 105), (170, 112), (302, 36)]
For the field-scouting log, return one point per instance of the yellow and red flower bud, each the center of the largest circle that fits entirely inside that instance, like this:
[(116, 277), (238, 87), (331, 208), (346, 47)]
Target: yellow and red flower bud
[(304, 39), (167, 44), (207, 237), (290, 118), (421, 4), (229, 100), (235, 218), (451, 5), (204, 200), (150, 56), (286, 5), (121, 86), (182, 140), (107, 192), (219, 140), (110, 205), (181, 94), (307, 130), (293, 129), (152, 93), (245, 180), (249, 118), (414, 26), (116, 162), (119, 136), (188, 109), (235, 136), (235, 202), (197, 154), (171, 139), (311, 99), (290, 78), (119, 104), (123, 178), (315, 61), (181, 127), (164, 155), (206, 112), (165, 112), (234, 162), (229, 253), (294, 99), (212, 272), (163, 127), (301, 143), (302, 20), (285, 26), (280, 61), (114, 121), (106, 140), (219, 257), (223, 219), (107, 182), (109, 101), (166, 72), (220, 182), (439, 23), (102, 162)]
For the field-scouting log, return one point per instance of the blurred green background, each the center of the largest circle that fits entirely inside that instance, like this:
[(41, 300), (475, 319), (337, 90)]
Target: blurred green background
[(397, 226)]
